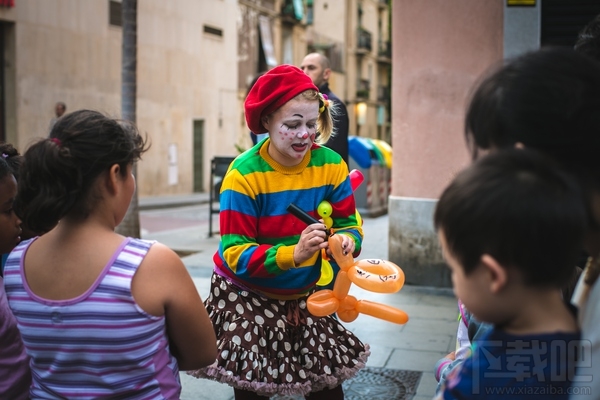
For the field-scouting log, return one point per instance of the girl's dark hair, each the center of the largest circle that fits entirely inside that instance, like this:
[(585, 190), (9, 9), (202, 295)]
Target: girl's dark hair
[(10, 160), (520, 208), (58, 173), (547, 100)]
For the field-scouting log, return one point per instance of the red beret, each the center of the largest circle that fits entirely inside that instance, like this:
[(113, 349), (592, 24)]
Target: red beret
[(271, 91)]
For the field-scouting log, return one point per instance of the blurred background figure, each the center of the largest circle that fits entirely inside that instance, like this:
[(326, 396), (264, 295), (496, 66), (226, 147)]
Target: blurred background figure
[(317, 67), (59, 109)]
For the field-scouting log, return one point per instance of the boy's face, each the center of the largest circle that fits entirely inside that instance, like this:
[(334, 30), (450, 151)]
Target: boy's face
[(471, 289)]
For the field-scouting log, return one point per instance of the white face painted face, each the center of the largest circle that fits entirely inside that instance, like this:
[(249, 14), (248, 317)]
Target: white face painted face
[(292, 130)]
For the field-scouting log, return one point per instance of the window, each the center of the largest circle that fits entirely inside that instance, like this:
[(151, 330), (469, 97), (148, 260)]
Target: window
[(114, 13), (213, 31)]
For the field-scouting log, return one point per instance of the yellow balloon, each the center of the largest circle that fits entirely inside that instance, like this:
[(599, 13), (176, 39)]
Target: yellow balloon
[(326, 274), (328, 221)]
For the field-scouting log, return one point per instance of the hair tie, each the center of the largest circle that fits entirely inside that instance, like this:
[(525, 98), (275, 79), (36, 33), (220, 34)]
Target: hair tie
[(4, 155), (323, 102), (55, 141)]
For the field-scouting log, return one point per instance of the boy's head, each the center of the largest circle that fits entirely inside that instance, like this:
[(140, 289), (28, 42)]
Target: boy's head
[(516, 210)]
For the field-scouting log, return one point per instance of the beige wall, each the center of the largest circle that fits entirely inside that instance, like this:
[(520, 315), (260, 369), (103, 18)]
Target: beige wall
[(65, 50)]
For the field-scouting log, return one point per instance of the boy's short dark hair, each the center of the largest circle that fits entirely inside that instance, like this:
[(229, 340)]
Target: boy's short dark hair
[(518, 207)]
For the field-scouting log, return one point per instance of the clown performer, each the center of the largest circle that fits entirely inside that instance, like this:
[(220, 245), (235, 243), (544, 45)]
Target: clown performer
[(269, 261)]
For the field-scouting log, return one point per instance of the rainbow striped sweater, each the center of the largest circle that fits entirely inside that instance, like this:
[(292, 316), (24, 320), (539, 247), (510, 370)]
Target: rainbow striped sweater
[(258, 234)]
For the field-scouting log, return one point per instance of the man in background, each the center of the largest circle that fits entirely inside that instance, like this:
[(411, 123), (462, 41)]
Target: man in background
[(59, 110), (317, 67)]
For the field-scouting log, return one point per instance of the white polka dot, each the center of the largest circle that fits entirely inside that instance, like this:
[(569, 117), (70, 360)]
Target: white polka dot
[(279, 336), (345, 358), (245, 365), (281, 368), (269, 314), (275, 307), (274, 345), (236, 339), (309, 321), (233, 356), (275, 373), (302, 374), (280, 355), (309, 364), (232, 326), (225, 354), (256, 302), (287, 346), (312, 341), (232, 296), (262, 342), (259, 320), (249, 375), (351, 341), (221, 303), (245, 324), (248, 336), (329, 354), (331, 341), (271, 335), (239, 308), (322, 338), (327, 370), (216, 291), (255, 364), (288, 378), (281, 324), (249, 306), (306, 333), (304, 350), (225, 326), (255, 330), (254, 348)]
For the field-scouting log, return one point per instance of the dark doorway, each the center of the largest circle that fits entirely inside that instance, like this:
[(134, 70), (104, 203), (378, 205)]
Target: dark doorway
[(563, 19), (198, 155)]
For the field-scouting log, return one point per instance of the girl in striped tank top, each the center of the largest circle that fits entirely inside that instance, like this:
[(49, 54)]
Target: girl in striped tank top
[(101, 315)]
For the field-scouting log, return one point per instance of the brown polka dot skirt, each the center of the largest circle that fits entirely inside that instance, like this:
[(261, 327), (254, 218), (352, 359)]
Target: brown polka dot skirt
[(277, 347)]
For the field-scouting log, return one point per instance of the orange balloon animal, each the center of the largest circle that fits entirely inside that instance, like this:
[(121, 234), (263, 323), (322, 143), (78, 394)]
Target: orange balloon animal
[(375, 275)]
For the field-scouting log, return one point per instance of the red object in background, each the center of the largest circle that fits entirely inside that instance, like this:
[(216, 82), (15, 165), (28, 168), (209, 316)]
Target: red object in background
[(356, 178), (7, 3)]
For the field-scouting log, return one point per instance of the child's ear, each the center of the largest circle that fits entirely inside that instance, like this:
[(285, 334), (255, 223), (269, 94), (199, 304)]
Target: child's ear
[(498, 276), (112, 178), (265, 122)]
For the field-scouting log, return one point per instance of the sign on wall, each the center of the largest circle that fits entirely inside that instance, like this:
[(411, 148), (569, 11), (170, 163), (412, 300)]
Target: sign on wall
[(517, 3)]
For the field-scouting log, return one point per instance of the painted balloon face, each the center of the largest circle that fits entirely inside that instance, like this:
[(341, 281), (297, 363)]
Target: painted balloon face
[(292, 130)]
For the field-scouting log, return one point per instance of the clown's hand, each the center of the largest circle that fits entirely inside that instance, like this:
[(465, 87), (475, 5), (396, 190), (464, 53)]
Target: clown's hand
[(312, 240)]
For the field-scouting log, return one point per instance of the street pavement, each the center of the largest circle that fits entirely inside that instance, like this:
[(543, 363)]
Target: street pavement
[(181, 222)]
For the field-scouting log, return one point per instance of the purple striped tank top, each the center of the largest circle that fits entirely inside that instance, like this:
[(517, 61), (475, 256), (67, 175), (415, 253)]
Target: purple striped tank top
[(99, 344)]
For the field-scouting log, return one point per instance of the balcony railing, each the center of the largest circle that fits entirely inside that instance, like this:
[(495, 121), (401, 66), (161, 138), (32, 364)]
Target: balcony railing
[(363, 88), (385, 49), (365, 40), (383, 93)]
